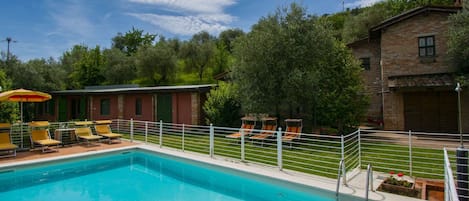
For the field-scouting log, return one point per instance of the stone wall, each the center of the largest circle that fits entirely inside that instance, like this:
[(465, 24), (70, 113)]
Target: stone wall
[(371, 78), (400, 56)]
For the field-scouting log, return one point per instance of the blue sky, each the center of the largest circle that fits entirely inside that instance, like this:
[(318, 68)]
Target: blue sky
[(47, 28)]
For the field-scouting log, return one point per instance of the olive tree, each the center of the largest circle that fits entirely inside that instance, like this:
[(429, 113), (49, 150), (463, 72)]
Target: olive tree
[(458, 52), (290, 64)]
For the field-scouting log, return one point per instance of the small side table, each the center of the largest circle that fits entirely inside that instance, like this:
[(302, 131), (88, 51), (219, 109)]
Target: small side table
[(65, 135)]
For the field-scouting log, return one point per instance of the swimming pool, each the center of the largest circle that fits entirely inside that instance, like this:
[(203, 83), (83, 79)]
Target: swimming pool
[(142, 175)]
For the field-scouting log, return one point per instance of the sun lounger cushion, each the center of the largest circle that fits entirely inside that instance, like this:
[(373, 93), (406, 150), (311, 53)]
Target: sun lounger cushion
[(5, 142), (42, 137), (38, 135), (85, 133), (7, 147), (247, 129), (105, 131), (47, 142), (292, 133), (90, 137)]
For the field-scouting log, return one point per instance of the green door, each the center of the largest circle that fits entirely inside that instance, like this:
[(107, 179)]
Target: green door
[(164, 108), (62, 114)]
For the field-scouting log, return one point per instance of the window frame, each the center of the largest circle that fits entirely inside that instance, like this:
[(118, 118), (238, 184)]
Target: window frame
[(105, 107), (423, 48), (365, 65), (138, 107)]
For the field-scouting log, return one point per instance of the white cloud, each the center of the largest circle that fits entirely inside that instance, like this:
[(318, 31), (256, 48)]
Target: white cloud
[(189, 16), (183, 25), (70, 18), (197, 6), (361, 3)]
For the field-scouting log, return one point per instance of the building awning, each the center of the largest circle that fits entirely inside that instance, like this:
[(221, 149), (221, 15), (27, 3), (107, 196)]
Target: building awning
[(426, 80)]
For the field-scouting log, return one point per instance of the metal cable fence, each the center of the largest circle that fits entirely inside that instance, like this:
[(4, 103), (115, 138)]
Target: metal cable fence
[(308, 153), (414, 153), (450, 184)]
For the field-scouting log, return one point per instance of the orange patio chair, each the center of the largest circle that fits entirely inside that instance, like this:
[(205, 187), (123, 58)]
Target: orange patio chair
[(293, 131), (269, 126), (246, 128)]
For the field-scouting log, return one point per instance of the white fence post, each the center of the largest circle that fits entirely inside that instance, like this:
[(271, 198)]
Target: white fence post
[(146, 132), (242, 144), (131, 130), (344, 172), (183, 137), (212, 135), (410, 153), (359, 149), (279, 149), (161, 133)]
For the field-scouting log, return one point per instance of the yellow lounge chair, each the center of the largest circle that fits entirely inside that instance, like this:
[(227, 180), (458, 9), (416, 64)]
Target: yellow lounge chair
[(293, 131), (103, 128), (85, 134), (40, 136), (246, 128), (5, 141)]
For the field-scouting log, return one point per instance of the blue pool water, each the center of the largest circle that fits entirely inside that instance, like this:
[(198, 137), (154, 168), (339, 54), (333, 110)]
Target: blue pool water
[(140, 175)]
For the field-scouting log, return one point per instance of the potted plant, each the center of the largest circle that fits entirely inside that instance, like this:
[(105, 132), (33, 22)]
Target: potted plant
[(399, 186)]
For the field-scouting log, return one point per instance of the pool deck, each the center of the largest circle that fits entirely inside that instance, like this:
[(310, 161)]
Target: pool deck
[(63, 151), (356, 184)]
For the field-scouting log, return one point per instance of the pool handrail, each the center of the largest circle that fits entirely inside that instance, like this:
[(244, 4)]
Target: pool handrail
[(341, 172), (369, 180)]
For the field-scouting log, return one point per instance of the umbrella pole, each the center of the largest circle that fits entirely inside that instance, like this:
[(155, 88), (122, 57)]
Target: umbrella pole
[(21, 124)]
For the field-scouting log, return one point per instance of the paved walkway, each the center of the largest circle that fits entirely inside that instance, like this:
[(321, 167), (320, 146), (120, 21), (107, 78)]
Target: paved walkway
[(62, 151)]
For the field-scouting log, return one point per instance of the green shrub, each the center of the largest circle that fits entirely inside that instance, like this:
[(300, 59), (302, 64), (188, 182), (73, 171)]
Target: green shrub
[(222, 107)]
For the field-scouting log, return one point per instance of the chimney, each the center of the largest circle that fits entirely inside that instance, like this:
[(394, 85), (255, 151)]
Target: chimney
[(458, 3)]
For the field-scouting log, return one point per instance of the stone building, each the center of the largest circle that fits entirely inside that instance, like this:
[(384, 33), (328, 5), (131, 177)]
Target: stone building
[(406, 73)]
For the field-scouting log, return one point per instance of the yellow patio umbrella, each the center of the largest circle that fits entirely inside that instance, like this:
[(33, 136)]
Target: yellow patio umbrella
[(23, 95)]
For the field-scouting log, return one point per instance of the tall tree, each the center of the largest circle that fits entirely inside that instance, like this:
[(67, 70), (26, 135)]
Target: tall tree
[(198, 52), (39, 74), (458, 43), (87, 71), (9, 111), (69, 60), (118, 67), (155, 64), (132, 40), (291, 62), (227, 37)]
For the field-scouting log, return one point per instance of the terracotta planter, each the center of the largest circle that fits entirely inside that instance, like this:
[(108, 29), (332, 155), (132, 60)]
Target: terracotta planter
[(400, 190)]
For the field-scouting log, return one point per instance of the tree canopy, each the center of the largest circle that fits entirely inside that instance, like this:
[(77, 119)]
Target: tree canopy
[(291, 64), (459, 41), (360, 20)]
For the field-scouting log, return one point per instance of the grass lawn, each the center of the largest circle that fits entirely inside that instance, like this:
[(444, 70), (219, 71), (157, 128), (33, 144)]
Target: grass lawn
[(319, 157)]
